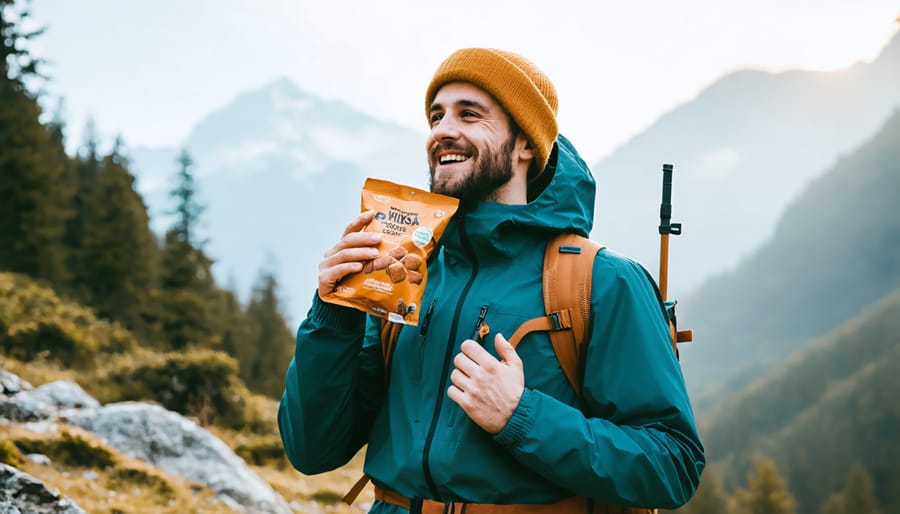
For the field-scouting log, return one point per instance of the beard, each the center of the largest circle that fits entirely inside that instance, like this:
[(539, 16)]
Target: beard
[(491, 170)]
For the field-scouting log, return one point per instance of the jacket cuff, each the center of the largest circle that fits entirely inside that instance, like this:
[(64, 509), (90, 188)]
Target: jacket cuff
[(336, 317), (519, 425)]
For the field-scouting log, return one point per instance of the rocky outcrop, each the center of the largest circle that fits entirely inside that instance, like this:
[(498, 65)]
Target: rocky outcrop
[(11, 384), (148, 432), (21, 493), (24, 403), (180, 447)]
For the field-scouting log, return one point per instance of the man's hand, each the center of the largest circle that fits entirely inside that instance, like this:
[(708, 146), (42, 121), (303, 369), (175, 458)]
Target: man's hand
[(349, 254), (487, 389)]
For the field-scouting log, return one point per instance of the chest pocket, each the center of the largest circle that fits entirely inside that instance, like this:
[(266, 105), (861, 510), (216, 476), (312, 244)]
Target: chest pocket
[(541, 366)]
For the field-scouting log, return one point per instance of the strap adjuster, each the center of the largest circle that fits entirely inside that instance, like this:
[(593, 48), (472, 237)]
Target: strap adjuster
[(554, 318)]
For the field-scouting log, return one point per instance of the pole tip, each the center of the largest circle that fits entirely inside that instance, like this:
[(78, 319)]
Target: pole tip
[(667, 167)]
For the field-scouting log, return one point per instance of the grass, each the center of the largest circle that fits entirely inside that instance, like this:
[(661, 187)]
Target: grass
[(109, 482), (36, 325), (123, 485)]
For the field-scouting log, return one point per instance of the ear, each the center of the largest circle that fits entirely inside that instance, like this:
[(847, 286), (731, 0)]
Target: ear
[(524, 149)]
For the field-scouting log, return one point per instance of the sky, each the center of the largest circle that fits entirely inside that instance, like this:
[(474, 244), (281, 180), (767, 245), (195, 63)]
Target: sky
[(149, 71)]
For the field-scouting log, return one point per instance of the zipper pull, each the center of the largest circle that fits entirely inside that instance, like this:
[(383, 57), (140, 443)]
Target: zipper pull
[(426, 320), (480, 325)]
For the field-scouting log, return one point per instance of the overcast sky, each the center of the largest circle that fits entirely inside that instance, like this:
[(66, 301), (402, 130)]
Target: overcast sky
[(149, 70)]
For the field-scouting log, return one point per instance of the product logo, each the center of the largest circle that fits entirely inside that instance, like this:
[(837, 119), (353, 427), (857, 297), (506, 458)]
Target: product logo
[(422, 236), (396, 215)]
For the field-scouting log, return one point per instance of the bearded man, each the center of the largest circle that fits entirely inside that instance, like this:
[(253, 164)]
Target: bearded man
[(465, 427)]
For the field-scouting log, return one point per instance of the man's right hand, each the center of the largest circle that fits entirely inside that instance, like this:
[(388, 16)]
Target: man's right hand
[(349, 254)]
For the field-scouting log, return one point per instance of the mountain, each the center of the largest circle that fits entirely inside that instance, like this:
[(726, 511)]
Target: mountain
[(280, 172), (276, 158), (835, 251), (742, 150), (827, 408)]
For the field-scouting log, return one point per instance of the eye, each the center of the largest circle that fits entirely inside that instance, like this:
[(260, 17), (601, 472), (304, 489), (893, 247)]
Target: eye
[(469, 114), (436, 117)]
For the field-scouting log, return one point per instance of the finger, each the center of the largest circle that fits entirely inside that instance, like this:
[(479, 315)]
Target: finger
[(359, 222), (456, 394), (476, 352), (355, 254), (460, 380), (333, 274), (463, 363), (354, 240), (506, 351)]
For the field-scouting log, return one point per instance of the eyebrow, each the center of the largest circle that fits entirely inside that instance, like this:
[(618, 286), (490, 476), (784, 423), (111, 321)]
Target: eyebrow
[(461, 103)]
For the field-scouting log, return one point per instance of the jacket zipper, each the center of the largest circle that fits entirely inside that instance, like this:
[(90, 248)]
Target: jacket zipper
[(479, 324), (423, 336), (442, 392)]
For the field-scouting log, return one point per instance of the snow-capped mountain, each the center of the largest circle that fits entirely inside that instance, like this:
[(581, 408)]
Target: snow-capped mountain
[(280, 172)]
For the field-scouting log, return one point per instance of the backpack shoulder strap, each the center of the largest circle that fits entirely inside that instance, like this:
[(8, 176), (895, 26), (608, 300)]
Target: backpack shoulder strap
[(390, 331), (568, 271)]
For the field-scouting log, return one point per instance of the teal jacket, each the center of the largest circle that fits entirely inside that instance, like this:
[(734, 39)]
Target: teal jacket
[(630, 440)]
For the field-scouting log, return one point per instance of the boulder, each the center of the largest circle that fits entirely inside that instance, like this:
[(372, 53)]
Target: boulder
[(65, 394), (43, 402), (180, 447), (21, 493), (11, 384)]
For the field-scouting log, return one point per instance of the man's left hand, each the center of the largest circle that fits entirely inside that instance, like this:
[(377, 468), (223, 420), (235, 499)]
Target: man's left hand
[(487, 389)]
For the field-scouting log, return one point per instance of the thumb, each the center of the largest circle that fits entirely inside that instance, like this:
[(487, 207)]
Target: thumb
[(506, 351)]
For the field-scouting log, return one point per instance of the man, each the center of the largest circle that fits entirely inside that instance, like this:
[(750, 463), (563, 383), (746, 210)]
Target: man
[(480, 425)]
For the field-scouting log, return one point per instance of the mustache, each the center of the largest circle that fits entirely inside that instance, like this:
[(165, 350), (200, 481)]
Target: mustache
[(453, 146)]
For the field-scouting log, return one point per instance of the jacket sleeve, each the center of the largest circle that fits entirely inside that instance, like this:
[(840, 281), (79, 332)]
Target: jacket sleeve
[(635, 443), (333, 390)]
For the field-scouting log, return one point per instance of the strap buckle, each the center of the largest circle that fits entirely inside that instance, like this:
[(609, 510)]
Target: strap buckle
[(554, 318)]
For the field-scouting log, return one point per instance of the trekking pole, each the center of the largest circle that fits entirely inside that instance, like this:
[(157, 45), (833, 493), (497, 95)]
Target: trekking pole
[(666, 227)]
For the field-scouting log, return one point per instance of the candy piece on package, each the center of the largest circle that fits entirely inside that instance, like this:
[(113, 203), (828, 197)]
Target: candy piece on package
[(411, 221)]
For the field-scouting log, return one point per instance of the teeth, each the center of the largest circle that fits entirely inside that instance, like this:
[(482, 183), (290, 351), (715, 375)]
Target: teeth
[(453, 158)]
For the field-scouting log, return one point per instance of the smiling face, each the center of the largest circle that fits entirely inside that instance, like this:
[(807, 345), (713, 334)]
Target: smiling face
[(472, 149)]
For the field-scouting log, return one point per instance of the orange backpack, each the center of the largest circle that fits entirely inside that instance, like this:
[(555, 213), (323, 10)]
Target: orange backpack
[(567, 275), (568, 268)]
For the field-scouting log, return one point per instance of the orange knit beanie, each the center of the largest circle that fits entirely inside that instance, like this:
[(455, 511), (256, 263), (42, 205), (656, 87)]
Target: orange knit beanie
[(518, 85)]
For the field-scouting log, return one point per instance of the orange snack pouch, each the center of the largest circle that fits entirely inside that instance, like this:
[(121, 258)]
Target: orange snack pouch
[(412, 221)]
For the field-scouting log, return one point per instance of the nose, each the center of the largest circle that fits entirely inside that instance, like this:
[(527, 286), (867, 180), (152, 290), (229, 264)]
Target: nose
[(446, 129)]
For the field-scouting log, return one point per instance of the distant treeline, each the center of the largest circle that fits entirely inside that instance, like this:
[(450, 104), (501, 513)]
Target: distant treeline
[(76, 224)]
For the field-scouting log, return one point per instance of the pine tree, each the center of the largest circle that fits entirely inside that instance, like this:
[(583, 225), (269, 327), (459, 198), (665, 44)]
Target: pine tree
[(238, 335), (710, 497), (188, 210), (857, 497), (33, 198), (187, 287), (83, 180), (766, 491), (117, 250), (275, 343)]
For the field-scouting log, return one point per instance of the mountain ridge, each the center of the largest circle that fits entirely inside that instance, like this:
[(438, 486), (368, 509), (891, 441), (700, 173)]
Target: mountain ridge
[(742, 149)]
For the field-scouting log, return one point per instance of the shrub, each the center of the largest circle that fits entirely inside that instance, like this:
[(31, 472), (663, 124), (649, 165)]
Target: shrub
[(128, 477), (35, 322), (198, 382), (10, 454), (71, 449), (263, 451)]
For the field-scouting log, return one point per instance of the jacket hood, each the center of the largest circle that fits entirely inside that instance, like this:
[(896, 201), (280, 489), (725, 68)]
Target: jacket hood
[(566, 204)]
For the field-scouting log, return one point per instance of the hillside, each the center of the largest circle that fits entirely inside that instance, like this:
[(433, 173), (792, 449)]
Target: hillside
[(835, 251), (743, 150), (117, 427), (827, 408)]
